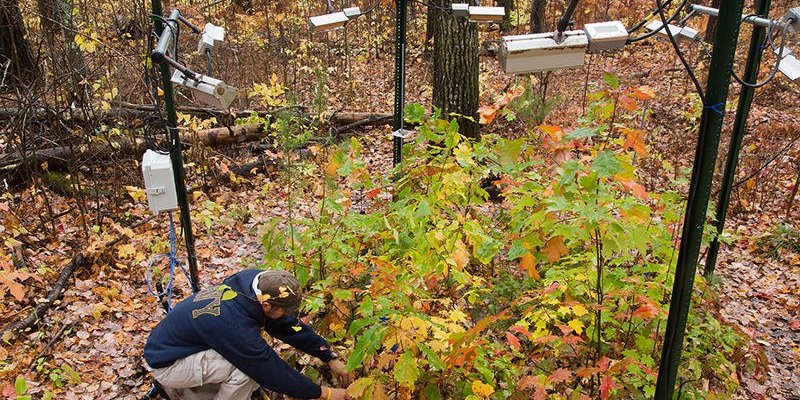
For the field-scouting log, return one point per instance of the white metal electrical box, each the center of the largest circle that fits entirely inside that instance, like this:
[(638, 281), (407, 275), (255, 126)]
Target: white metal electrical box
[(327, 21), (679, 33), (159, 183), (486, 14), (212, 36), (460, 9), (351, 12), (790, 66), (213, 92), (522, 54), (603, 36)]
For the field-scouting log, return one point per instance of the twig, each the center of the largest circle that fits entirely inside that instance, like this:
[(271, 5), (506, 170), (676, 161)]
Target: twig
[(49, 344)]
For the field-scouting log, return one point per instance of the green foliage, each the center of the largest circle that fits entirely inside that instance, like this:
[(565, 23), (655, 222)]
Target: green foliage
[(780, 238), (561, 289)]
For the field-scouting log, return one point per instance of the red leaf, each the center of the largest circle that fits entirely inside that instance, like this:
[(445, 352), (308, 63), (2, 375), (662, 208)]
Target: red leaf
[(560, 375), (628, 103), (372, 194), (603, 364), (541, 393), (795, 325), (513, 341), (572, 339), (606, 386), (520, 329)]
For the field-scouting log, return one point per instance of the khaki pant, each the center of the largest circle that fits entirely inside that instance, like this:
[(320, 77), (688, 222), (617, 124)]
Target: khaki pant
[(205, 376)]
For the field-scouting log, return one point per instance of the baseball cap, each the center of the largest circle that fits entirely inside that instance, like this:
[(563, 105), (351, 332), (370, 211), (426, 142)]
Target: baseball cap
[(279, 288)]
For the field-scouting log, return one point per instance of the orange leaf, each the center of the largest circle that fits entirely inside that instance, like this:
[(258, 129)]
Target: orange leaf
[(528, 263), (513, 341), (628, 103), (634, 140), (526, 382), (646, 311), (643, 93), (541, 393), (16, 290), (553, 131), (555, 249), (487, 114), (638, 190)]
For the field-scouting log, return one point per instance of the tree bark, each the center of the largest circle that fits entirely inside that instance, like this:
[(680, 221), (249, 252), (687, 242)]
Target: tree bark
[(538, 11), (455, 69), (66, 57), (711, 26), (17, 67)]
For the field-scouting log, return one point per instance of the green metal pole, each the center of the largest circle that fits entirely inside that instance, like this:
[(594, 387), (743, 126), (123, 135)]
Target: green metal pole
[(699, 191), (176, 156), (399, 79), (739, 125)]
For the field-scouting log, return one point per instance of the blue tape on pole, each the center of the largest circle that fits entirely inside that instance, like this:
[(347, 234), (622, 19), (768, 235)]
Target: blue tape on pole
[(718, 108), (173, 262)]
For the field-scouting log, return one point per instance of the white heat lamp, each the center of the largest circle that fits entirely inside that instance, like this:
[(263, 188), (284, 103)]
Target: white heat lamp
[(210, 91)]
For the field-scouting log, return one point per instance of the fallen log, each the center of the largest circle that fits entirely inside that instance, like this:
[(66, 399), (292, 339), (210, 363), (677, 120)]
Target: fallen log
[(349, 120)]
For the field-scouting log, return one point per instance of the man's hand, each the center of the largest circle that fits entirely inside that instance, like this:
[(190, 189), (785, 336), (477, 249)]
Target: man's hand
[(340, 370), (333, 394)]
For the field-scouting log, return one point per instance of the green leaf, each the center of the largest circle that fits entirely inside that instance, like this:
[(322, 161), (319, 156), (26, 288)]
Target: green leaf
[(433, 359), (365, 346), (581, 133), (20, 386), (508, 151), (405, 370), (611, 79), (414, 113), (606, 164)]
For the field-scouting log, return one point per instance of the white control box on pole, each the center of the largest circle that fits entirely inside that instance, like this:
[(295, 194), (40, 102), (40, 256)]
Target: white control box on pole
[(159, 182)]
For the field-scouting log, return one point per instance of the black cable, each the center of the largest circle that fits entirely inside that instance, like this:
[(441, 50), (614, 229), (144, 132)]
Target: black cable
[(678, 51), (664, 23), (774, 71)]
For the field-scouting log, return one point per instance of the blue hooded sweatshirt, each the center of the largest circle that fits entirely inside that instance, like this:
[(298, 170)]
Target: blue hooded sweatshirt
[(228, 319)]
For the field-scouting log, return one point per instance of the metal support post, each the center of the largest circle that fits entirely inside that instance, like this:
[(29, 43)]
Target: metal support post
[(719, 78), (399, 79), (739, 125), (175, 154)]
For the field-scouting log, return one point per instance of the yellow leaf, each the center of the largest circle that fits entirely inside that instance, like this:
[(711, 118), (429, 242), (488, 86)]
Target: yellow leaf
[(461, 255), (357, 388), (481, 389), (576, 326), (528, 263), (579, 310)]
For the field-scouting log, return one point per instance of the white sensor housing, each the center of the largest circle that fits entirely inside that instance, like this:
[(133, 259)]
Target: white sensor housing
[(604, 36), (159, 183), (212, 36), (213, 92), (327, 22), (790, 64), (486, 14), (674, 29), (352, 12), (541, 52), (460, 9)]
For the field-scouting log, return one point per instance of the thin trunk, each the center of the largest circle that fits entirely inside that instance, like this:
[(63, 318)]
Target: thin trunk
[(538, 11), (17, 67), (455, 69), (506, 25), (58, 29), (711, 27)]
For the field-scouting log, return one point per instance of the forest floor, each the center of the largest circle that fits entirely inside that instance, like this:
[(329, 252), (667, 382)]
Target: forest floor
[(89, 345)]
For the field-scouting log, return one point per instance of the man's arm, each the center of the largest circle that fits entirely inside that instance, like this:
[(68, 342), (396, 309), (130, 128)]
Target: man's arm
[(300, 336)]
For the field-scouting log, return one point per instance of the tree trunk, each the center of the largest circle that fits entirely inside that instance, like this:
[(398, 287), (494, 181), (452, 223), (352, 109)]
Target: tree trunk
[(538, 11), (711, 26), (506, 25), (66, 58), (455, 69), (17, 67)]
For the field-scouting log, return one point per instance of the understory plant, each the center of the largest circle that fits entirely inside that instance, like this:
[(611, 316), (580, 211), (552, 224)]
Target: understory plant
[(555, 285)]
